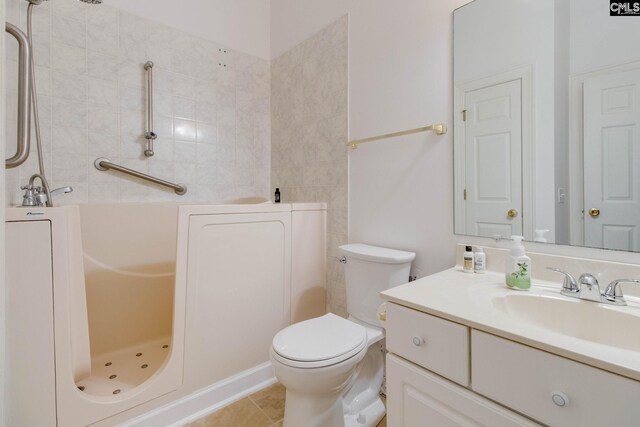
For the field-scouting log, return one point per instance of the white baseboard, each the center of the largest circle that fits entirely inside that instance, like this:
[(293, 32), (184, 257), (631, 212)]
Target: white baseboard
[(208, 400)]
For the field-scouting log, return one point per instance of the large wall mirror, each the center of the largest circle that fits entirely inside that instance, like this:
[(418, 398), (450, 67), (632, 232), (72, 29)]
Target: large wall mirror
[(547, 122)]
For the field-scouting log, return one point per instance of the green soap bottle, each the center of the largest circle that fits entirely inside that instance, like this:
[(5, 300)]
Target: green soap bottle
[(518, 266)]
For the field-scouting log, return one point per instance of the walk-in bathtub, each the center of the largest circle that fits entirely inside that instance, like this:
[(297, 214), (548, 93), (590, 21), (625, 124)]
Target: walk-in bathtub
[(151, 314)]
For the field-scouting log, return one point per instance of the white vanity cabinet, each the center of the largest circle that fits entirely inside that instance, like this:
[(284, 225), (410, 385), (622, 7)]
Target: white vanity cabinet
[(447, 375), (416, 397)]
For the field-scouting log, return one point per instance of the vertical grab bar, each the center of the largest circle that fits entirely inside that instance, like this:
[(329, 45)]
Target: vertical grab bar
[(149, 135), (24, 100)]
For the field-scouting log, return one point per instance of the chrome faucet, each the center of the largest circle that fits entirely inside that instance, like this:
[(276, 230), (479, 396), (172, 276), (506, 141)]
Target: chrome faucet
[(36, 196), (40, 196), (587, 288)]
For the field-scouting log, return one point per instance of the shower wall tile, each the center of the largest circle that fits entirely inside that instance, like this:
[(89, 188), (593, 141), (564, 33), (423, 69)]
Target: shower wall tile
[(69, 139), (42, 51), (69, 59), (103, 92), (212, 108), (308, 134), (68, 31)]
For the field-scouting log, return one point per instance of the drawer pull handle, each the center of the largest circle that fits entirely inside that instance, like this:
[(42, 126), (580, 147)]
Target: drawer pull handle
[(559, 398), (418, 341)]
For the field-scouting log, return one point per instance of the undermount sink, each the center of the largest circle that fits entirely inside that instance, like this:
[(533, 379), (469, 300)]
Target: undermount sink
[(598, 323)]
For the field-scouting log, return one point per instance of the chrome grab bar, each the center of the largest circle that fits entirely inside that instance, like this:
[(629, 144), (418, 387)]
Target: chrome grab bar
[(24, 100), (149, 135), (104, 164)]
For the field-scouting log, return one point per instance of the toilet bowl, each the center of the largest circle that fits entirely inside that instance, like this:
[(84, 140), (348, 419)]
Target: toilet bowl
[(333, 367)]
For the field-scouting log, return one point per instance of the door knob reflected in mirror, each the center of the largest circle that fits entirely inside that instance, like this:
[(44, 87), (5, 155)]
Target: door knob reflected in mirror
[(512, 213), (594, 212)]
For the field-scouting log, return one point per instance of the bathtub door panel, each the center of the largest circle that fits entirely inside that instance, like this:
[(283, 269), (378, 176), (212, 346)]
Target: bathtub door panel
[(308, 264), (238, 292), (30, 350)]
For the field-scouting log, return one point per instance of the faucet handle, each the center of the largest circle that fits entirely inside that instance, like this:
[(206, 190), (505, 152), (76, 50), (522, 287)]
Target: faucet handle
[(29, 197), (569, 286), (613, 293)]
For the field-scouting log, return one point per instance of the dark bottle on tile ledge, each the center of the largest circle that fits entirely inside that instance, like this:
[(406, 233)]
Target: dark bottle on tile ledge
[(277, 195)]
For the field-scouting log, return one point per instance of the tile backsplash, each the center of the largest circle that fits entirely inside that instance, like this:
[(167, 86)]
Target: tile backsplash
[(212, 108)]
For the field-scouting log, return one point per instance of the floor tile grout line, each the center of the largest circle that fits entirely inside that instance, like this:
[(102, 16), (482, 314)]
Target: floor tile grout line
[(261, 410)]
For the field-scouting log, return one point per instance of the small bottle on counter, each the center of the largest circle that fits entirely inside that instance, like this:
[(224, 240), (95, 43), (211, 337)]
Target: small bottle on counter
[(277, 195), (479, 261), (467, 260)]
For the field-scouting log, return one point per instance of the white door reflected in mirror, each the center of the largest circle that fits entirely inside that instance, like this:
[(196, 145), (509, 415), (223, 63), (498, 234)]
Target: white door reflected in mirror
[(492, 125), (611, 151)]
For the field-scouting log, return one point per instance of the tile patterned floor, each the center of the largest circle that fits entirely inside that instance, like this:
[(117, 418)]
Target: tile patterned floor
[(264, 408)]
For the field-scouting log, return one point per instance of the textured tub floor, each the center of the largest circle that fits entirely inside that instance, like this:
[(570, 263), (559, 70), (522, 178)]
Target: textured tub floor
[(264, 408)]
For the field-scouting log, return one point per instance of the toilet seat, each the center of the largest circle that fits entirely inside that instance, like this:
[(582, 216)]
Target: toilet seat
[(319, 342)]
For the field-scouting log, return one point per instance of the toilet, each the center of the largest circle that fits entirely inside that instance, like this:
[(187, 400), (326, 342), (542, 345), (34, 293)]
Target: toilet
[(333, 367)]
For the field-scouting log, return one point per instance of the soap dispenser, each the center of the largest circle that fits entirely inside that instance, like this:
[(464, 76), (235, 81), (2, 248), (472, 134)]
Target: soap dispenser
[(518, 266), (540, 236)]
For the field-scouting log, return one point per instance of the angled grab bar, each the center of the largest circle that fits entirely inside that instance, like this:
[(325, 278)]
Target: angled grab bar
[(104, 164), (24, 100)]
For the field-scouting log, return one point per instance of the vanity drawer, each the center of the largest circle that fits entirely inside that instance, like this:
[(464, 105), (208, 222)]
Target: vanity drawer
[(526, 379), (436, 344)]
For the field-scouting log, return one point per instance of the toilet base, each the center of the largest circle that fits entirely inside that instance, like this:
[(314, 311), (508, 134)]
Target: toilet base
[(356, 404), (363, 406), (367, 417), (328, 411), (313, 411)]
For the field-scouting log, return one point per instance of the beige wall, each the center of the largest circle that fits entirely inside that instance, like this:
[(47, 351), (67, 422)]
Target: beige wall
[(211, 107), (241, 25), (400, 76), (400, 54), (309, 130)]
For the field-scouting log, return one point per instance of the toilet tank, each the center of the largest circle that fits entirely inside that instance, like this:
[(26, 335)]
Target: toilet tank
[(370, 270)]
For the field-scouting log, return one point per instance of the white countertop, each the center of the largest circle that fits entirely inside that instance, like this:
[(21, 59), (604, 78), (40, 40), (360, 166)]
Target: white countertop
[(460, 297)]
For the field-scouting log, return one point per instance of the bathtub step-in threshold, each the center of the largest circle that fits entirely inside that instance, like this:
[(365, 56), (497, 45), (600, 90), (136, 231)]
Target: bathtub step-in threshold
[(123, 370)]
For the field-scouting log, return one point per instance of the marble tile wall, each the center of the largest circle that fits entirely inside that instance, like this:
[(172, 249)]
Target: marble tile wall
[(309, 96), (212, 107)]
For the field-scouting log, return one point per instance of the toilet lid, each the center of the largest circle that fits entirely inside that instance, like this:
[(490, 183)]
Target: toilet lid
[(322, 338)]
